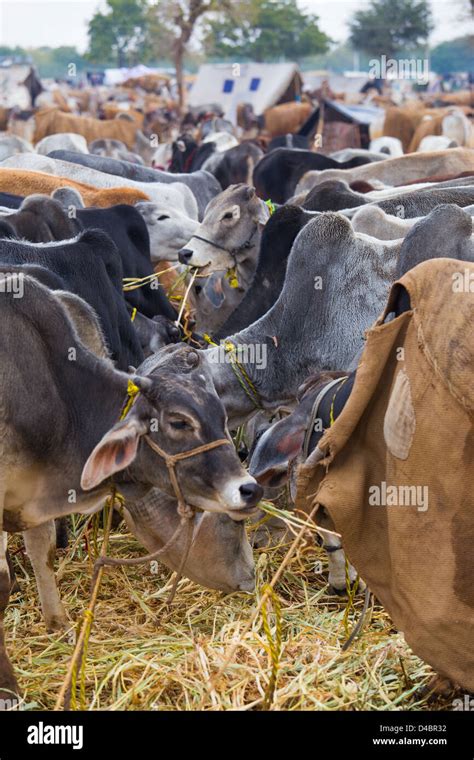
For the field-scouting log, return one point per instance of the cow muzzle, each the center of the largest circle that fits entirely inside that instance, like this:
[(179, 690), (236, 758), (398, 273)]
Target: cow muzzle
[(185, 255)]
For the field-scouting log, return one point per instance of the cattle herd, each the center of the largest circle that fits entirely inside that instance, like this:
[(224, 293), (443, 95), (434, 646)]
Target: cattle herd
[(157, 297)]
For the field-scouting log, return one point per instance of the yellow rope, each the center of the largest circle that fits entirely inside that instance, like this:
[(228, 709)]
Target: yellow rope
[(243, 377), (82, 641), (88, 620), (239, 371), (274, 644), (132, 392), (134, 314), (271, 206)]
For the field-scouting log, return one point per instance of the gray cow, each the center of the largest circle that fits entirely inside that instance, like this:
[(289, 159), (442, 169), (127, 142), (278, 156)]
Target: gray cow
[(203, 184), (335, 286), (51, 470), (225, 246)]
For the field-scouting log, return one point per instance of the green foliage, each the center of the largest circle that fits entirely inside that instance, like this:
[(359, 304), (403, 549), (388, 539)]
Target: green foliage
[(389, 26), (268, 30), (51, 63), (454, 55), (119, 36), (56, 62)]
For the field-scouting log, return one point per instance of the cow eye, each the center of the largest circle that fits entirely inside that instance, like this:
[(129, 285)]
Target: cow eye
[(228, 215), (180, 424), (163, 216)]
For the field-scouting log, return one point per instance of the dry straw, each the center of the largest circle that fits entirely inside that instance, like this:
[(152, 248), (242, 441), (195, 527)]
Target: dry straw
[(143, 656)]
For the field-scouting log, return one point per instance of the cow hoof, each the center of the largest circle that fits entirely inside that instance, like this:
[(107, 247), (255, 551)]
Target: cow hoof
[(263, 538), (333, 591), (437, 686), (342, 591), (57, 623), (8, 685)]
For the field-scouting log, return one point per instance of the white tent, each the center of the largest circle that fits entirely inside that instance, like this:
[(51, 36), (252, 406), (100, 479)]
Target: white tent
[(117, 76), (228, 84)]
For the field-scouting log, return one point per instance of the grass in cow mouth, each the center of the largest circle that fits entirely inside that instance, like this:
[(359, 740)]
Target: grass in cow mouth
[(142, 656)]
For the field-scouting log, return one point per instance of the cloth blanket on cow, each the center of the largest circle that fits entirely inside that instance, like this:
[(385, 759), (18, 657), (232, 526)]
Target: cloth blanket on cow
[(408, 422)]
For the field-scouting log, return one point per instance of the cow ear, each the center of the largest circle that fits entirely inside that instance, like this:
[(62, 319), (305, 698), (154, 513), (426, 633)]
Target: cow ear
[(263, 213), (115, 452), (273, 453)]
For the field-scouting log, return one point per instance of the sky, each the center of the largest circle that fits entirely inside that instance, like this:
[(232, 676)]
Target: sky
[(33, 23)]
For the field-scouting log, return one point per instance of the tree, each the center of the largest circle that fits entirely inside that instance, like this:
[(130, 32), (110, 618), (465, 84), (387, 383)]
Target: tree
[(177, 20), (119, 35), (453, 55), (391, 26), (270, 30), (56, 62)]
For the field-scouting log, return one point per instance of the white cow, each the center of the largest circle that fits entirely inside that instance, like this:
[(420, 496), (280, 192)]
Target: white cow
[(392, 146), (222, 140), (436, 142), (62, 141), (169, 229), (10, 145), (175, 194)]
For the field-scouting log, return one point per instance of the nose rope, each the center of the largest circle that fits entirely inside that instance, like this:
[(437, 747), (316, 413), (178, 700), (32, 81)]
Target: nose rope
[(184, 510), (231, 251), (171, 459)]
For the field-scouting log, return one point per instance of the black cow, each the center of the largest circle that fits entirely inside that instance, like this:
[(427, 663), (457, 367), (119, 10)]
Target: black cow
[(122, 223), (278, 236), (41, 219), (332, 195), (236, 165), (128, 230), (188, 156), (278, 172), (11, 201), (90, 267), (6, 230)]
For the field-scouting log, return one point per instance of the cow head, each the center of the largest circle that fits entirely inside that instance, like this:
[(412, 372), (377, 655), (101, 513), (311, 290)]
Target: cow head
[(169, 229), (181, 153), (281, 445), (179, 410), (229, 231)]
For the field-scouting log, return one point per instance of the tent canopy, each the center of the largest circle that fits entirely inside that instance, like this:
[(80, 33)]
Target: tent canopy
[(261, 84)]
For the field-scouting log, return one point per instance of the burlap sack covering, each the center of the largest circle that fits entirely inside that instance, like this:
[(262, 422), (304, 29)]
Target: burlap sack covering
[(408, 422)]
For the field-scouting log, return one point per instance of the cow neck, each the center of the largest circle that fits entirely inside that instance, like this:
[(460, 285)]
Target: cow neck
[(293, 345), (103, 394)]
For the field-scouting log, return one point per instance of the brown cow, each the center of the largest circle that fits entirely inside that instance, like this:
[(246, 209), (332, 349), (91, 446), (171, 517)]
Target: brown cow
[(402, 121), (52, 121), (112, 111), (21, 182), (287, 118), (452, 123)]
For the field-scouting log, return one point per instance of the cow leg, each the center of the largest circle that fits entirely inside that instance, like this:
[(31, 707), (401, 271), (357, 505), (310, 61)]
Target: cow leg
[(14, 585), (62, 535), (8, 684), (40, 544), (337, 565)]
